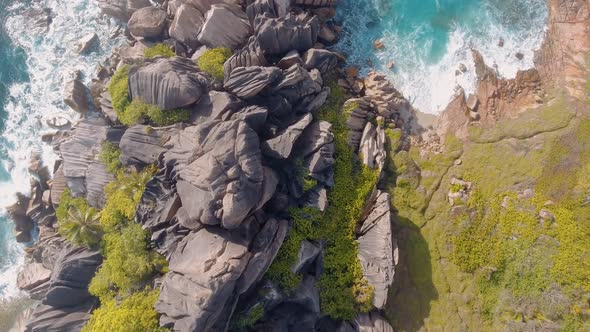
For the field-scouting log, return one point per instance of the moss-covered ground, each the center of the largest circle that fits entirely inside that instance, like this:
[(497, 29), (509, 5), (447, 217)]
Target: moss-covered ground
[(516, 255)]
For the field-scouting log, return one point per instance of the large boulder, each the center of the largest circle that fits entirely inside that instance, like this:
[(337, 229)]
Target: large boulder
[(320, 59), (147, 22), (280, 147), (216, 106), (75, 96), (225, 26), (142, 145), (248, 56), (168, 83), (122, 9), (377, 249), (247, 82), (66, 305), (210, 268), (186, 25), (284, 34), (218, 170), (79, 150), (203, 5)]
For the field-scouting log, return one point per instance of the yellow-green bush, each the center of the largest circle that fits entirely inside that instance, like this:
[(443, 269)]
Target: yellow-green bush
[(119, 90), (135, 313), (343, 289), (109, 155), (212, 61), (247, 320), (128, 263), (138, 111), (158, 50)]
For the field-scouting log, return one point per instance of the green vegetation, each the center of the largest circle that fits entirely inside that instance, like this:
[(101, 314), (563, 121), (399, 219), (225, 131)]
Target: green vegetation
[(138, 111), (212, 61), (128, 263), (109, 155), (133, 314), (249, 319), (134, 112), (119, 90), (78, 222), (343, 289), (502, 261), (158, 50)]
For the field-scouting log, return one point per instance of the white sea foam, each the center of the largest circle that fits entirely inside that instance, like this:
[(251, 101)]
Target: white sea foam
[(431, 85), (50, 60)]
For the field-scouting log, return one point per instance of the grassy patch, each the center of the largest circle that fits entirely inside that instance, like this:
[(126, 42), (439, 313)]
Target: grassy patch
[(555, 115), (158, 50), (138, 111), (212, 61), (343, 289), (119, 90), (109, 155)]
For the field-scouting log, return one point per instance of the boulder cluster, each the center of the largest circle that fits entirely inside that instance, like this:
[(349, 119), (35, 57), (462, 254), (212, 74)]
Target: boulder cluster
[(218, 206)]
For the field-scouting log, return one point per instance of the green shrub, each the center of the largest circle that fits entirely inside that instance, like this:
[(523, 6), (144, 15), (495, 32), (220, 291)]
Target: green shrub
[(119, 90), (135, 313), (212, 61), (249, 319), (158, 50), (123, 195), (166, 118), (78, 222), (128, 263), (138, 111), (109, 155), (343, 289)]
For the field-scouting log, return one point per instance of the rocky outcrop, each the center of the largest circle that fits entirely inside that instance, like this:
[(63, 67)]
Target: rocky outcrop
[(249, 56), (562, 60), (247, 82), (168, 83), (122, 9), (86, 43), (377, 249), (280, 147), (225, 26), (75, 96), (147, 22), (218, 171), (284, 34), (66, 303), (186, 25), (372, 146)]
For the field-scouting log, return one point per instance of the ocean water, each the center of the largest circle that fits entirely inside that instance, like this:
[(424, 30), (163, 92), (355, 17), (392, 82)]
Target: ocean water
[(427, 40), (34, 65)]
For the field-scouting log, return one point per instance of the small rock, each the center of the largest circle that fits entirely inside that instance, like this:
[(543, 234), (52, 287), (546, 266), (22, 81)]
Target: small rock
[(462, 68), (472, 103), (58, 122), (546, 215), (351, 72), (85, 43), (501, 42), (519, 55), (378, 44), (75, 96), (390, 65), (457, 162)]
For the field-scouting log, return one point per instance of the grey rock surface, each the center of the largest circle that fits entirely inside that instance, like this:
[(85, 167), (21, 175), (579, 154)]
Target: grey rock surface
[(168, 83), (281, 146), (284, 34), (75, 96), (247, 82), (186, 25), (225, 26), (147, 22)]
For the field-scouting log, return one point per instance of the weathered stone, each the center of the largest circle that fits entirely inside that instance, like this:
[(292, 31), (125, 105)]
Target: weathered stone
[(218, 171), (168, 83), (280, 147), (97, 177), (147, 22), (306, 255), (372, 146), (186, 25), (203, 5), (122, 9), (247, 82), (143, 144), (377, 250), (225, 26), (289, 60), (284, 34), (320, 59), (75, 96), (248, 56), (85, 43), (32, 275)]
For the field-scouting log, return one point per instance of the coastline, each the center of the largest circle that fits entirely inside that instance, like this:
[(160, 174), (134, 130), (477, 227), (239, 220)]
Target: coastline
[(384, 99)]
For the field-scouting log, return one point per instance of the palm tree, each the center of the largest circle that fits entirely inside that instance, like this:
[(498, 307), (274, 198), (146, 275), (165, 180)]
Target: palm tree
[(81, 226)]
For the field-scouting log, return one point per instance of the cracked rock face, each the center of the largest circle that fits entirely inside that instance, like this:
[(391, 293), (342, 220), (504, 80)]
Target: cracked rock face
[(168, 83), (219, 171), (186, 25), (281, 35), (225, 26), (247, 82), (377, 250), (147, 22), (280, 147)]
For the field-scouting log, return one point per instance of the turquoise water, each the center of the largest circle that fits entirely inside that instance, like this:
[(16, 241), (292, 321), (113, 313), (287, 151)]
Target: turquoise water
[(427, 40), (34, 64)]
